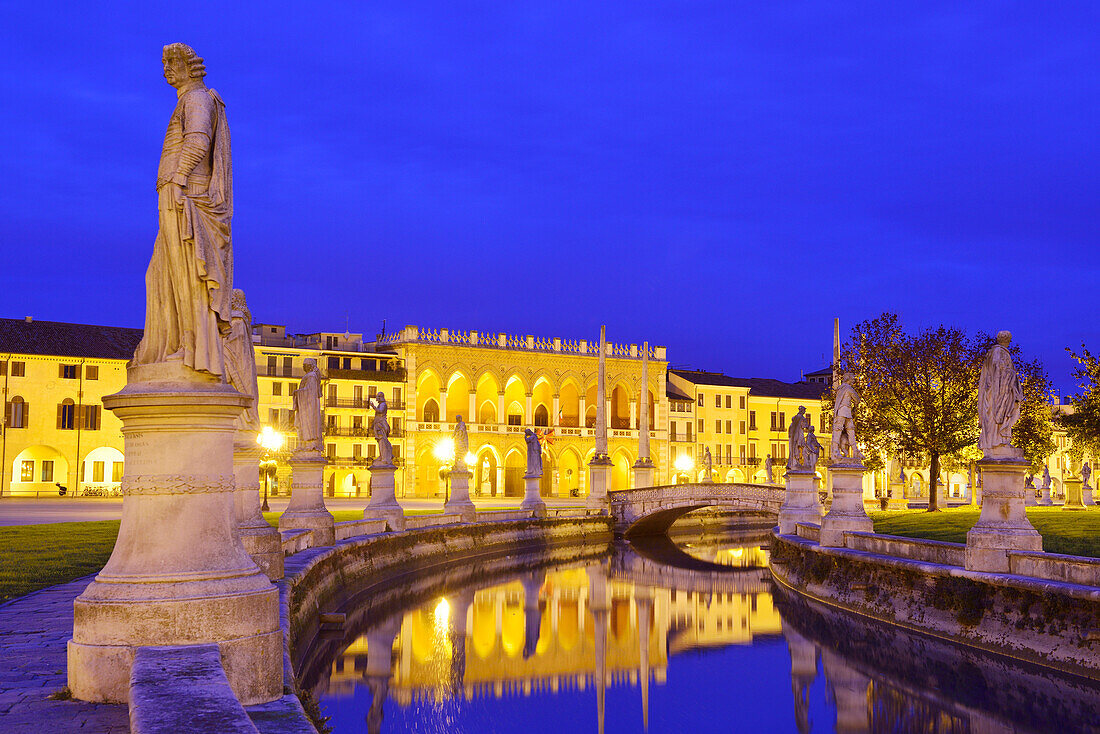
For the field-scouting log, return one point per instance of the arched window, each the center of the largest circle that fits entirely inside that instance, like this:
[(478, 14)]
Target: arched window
[(17, 413), (66, 415), (431, 412), (542, 415)]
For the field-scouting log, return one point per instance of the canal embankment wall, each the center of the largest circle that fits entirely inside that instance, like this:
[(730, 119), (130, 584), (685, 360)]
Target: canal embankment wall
[(1050, 616)]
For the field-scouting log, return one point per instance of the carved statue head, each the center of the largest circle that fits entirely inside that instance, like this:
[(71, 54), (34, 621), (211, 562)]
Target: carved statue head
[(240, 306), (181, 64), (309, 364), (848, 378), (1004, 337)]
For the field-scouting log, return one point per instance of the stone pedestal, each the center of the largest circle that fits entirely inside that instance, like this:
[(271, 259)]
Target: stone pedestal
[(599, 479), (896, 499), (1074, 494), (1002, 525), (847, 512), (643, 473), (531, 499), (1030, 497), (1045, 500), (459, 503), (307, 499), (1086, 495), (801, 503), (383, 497), (260, 540), (178, 574)]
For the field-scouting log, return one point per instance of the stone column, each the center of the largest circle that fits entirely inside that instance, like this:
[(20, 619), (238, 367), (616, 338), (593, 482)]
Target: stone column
[(307, 498), (1074, 493), (643, 467), (261, 541), (383, 503), (555, 419), (459, 502), (801, 503), (1002, 525), (528, 414), (178, 574), (531, 499), (502, 417), (847, 512), (599, 469), (1044, 496), (471, 413)]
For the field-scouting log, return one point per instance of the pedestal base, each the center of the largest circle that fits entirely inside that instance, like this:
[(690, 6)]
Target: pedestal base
[(383, 503), (1087, 496), (532, 501), (178, 574), (307, 499), (1003, 526), (847, 512), (801, 503), (1030, 498), (265, 546), (599, 480), (1074, 494), (1045, 500), (459, 502), (643, 473)]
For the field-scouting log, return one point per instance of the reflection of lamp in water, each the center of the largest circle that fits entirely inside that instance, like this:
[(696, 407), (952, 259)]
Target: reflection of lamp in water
[(683, 464)]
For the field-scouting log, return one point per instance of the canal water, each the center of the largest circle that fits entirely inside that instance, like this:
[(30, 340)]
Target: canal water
[(662, 637)]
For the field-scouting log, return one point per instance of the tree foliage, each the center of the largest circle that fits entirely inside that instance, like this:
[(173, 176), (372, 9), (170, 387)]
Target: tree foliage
[(1083, 424), (920, 395)]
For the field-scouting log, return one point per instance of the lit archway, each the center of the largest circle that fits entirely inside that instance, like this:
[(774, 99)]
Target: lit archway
[(102, 473), (39, 469)]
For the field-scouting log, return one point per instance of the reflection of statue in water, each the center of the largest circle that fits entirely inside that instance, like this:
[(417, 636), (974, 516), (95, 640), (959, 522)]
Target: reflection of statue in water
[(534, 453), (381, 426), (461, 442), (768, 469), (999, 398), (813, 448), (307, 408), (190, 277), (796, 440), (240, 361), (844, 423)]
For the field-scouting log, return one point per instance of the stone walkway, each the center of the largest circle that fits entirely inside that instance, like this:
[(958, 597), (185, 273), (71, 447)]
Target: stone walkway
[(34, 630)]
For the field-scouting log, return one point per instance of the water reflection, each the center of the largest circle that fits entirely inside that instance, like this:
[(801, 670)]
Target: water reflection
[(548, 644)]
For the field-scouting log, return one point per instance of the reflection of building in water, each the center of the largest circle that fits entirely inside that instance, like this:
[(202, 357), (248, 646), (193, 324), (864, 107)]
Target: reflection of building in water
[(549, 632)]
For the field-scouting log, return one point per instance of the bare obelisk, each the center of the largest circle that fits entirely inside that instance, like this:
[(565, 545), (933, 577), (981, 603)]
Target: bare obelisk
[(643, 467), (599, 469)]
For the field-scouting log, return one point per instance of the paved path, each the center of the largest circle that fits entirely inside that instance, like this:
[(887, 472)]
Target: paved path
[(34, 630)]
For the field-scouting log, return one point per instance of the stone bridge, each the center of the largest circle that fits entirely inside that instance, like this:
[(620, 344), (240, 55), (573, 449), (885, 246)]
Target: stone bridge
[(652, 510)]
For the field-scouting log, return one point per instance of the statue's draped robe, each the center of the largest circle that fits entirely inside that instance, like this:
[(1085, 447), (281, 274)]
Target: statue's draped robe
[(999, 398), (190, 278), (240, 366), (796, 441), (382, 432), (534, 455), (307, 411)]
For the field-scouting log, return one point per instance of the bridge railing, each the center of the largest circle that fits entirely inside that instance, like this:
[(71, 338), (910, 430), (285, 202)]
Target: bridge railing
[(764, 493)]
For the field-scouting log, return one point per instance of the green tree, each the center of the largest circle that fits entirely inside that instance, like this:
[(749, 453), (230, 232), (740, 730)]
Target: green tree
[(1083, 424)]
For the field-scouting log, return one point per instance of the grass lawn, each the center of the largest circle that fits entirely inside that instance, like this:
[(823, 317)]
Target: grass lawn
[(36, 556), (1075, 533)]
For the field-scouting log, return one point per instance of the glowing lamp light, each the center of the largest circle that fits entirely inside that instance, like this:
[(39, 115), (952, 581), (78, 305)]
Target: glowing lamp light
[(270, 439), (684, 463), (444, 450), (469, 458), (442, 611)]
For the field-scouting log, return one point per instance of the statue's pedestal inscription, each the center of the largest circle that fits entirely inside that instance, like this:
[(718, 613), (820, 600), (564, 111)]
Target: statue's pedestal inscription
[(178, 574), (307, 499), (1003, 524), (846, 513)]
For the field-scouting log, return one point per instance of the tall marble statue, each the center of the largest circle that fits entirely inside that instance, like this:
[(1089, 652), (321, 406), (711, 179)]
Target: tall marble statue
[(188, 285), (768, 471), (461, 441), (240, 360), (381, 427), (999, 398), (534, 453), (708, 462), (844, 424), (1086, 475), (796, 440), (1046, 477), (307, 408), (813, 448)]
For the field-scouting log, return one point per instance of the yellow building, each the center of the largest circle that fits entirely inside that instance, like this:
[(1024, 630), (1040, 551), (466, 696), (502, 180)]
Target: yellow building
[(56, 436)]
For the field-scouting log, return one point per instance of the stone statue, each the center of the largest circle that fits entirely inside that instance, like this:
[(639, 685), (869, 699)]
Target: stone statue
[(189, 281), (901, 477), (381, 426), (796, 440), (708, 463), (307, 408), (999, 398), (1046, 477), (240, 361), (813, 447), (844, 424), (1029, 483), (768, 469), (534, 453), (461, 442), (1086, 475)]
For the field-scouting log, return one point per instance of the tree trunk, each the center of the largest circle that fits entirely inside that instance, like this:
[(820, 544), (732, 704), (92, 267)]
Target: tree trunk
[(934, 484)]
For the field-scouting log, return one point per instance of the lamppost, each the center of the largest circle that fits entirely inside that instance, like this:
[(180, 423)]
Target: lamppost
[(271, 441), (684, 466), (444, 451)]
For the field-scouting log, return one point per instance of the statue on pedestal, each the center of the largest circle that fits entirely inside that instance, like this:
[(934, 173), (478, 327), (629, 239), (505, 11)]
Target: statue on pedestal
[(461, 442), (534, 453), (1086, 475), (844, 424), (1046, 477), (708, 463), (999, 398), (768, 472), (813, 448), (240, 360), (796, 441), (189, 281), (381, 426), (307, 408)]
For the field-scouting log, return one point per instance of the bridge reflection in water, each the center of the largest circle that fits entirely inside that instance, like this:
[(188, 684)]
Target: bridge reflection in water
[(567, 631)]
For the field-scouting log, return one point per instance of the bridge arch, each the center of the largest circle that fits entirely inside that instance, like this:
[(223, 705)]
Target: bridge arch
[(653, 510)]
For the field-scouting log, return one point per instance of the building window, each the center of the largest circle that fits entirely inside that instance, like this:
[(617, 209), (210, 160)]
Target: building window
[(47, 471), (514, 419), (66, 415), (116, 471), (370, 450), (729, 401), (291, 387), (331, 450), (26, 471), (729, 454), (741, 449), (752, 420), (3, 367), (91, 417), (688, 427), (69, 371), (276, 388), (672, 429), (333, 363), (742, 399), (272, 365), (332, 394), (357, 424), (397, 451), (91, 372), (18, 369), (97, 471), (396, 395), (752, 451), (741, 427), (357, 394), (824, 428), (357, 451), (331, 423), (729, 426), (717, 426), (700, 399), (431, 413), (700, 425), (782, 421), (288, 366), (717, 400), (273, 416), (775, 422), (18, 410)]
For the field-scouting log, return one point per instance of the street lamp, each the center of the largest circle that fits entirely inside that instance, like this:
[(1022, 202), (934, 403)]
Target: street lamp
[(444, 451), (271, 441), (684, 465)]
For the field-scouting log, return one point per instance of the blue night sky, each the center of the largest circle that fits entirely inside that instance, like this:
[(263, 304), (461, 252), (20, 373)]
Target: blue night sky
[(720, 177)]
